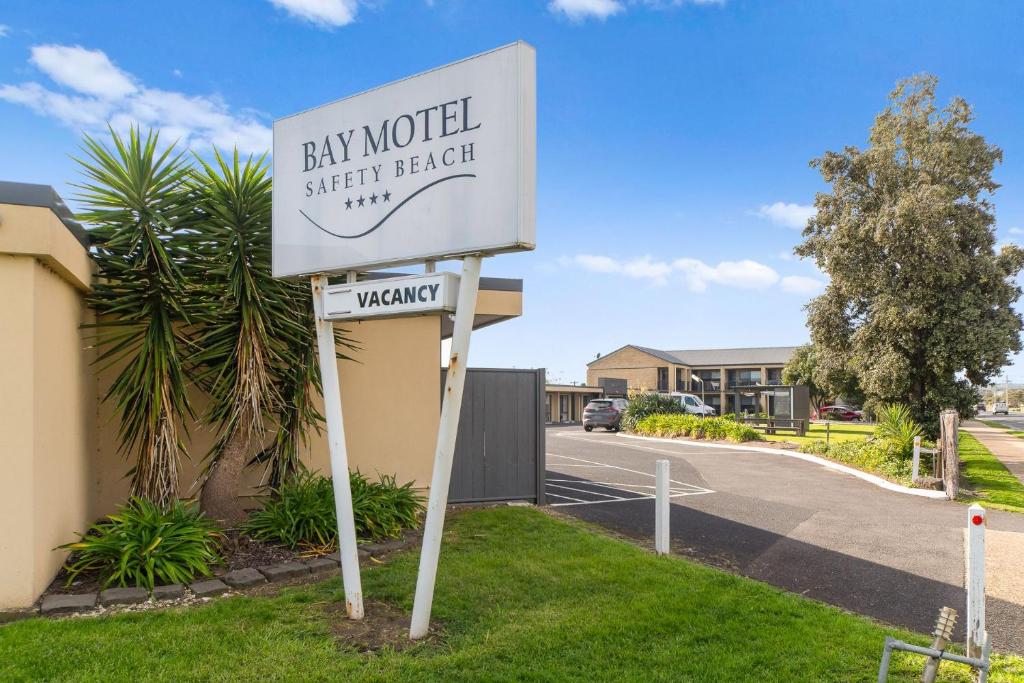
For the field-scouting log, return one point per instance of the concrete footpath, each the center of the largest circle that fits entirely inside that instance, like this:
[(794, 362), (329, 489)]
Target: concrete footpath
[(1008, 448)]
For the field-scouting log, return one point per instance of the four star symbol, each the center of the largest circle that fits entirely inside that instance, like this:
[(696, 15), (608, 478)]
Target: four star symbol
[(361, 200)]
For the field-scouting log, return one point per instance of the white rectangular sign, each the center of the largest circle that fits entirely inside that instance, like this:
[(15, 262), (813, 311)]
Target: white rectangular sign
[(392, 297), (437, 165)]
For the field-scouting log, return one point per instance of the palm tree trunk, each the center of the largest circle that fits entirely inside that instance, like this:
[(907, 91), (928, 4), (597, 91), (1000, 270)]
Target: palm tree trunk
[(220, 499)]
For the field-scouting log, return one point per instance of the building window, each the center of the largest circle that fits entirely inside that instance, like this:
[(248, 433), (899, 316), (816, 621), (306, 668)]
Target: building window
[(774, 376), (662, 379), (680, 384), (712, 380), (744, 378)]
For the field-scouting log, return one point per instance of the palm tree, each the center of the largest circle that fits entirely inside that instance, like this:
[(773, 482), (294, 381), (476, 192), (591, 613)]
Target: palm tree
[(251, 332), (136, 199)]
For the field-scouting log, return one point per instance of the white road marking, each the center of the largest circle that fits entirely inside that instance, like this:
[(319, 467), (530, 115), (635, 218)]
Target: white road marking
[(682, 489)]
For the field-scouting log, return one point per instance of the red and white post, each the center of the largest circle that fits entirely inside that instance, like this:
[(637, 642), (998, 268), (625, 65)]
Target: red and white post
[(976, 521)]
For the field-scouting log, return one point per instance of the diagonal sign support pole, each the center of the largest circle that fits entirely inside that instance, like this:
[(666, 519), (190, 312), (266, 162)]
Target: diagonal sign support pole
[(451, 407), (347, 551)]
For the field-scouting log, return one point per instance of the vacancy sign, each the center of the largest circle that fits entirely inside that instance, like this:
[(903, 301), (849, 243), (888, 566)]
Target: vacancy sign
[(434, 166), (416, 295)]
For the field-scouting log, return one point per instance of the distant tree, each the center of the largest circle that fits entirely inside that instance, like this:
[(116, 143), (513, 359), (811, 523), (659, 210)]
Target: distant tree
[(919, 304), (826, 378), (800, 370)]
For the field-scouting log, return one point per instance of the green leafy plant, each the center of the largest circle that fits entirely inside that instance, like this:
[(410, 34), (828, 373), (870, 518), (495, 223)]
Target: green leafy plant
[(136, 200), (145, 545), (877, 456), (300, 512), (897, 427), (642, 405), (697, 427)]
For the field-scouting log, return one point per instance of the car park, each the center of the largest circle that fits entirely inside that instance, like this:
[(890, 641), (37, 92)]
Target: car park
[(604, 412)]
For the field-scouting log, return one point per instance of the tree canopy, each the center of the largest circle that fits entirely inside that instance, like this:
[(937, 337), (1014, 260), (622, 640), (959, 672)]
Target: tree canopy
[(919, 303)]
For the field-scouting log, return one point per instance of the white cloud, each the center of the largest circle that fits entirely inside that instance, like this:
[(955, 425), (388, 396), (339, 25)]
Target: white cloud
[(4, 30), (643, 268), (89, 72), (799, 284), (696, 274), (326, 13), (785, 256), (577, 10), (1016, 231), (104, 94), (745, 274), (789, 215)]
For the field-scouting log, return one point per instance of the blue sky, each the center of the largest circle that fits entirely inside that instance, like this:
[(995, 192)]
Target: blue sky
[(673, 136)]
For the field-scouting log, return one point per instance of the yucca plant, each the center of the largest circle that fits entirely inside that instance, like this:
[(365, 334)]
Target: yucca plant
[(254, 334), (136, 201), (897, 427), (144, 545), (243, 320)]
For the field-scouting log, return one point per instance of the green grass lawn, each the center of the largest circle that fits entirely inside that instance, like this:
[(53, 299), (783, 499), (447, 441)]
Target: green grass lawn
[(521, 596), (837, 431), (996, 485)]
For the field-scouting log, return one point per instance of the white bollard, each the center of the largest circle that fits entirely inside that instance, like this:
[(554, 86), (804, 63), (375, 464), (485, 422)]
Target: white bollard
[(917, 459), (976, 520), (661, 508)]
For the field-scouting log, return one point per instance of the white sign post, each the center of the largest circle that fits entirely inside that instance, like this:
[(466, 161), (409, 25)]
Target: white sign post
[(348, 554), (437, 166)]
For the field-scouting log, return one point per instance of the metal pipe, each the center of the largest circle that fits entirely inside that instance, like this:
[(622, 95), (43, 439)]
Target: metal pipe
[(892, 644), (347, 551), (451, 408)]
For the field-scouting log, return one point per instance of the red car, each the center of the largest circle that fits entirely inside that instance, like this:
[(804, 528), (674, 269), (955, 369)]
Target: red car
[(840, 413)]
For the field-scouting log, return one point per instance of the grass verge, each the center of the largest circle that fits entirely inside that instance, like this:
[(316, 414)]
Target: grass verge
[(996, 486), (522, 597)]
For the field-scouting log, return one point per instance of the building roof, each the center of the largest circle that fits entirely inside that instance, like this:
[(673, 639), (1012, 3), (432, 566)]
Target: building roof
[(752, 356), (31, 194), (758, 355)]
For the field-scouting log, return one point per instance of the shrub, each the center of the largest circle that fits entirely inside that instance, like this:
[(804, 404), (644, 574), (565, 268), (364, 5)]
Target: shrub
[(677, 424), (301, 511), (878, 456), (142, 545), (642, 405), (897, 428)]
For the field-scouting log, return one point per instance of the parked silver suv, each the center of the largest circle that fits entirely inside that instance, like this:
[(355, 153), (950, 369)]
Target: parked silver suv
[(604, 412)]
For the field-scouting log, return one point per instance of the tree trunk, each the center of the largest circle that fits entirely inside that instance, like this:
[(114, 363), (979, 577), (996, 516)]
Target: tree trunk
[(220, 499)]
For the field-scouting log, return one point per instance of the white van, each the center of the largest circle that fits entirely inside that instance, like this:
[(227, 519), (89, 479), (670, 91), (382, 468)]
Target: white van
[(693, 405), (1001, 408)]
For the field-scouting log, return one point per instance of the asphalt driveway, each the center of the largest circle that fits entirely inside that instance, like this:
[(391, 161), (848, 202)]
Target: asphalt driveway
[(797, 525)]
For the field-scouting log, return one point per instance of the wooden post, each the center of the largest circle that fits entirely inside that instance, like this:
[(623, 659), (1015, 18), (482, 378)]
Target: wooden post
[(976, 520), (949, 422)]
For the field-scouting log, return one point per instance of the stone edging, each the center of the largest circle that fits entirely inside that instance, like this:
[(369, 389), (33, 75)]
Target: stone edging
[(829, 464), (200, 590)]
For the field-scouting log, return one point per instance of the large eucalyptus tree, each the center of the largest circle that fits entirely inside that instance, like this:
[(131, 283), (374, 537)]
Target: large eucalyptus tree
[(920, 300)]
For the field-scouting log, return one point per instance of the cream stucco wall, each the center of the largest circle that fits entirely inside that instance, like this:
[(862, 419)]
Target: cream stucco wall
[(47, 407)]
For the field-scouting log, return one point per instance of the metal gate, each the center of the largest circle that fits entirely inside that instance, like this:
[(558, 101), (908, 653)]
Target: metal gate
[(499, 451)]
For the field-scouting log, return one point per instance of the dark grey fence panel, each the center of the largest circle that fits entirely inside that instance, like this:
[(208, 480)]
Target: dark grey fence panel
[(499, 451)]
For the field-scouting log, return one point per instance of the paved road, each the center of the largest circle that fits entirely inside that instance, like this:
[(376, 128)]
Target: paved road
[(797, 525)]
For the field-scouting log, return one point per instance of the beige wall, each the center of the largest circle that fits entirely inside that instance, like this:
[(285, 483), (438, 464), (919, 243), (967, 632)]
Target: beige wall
[(639, 369), (58, 439), (47, 408)]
